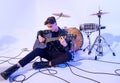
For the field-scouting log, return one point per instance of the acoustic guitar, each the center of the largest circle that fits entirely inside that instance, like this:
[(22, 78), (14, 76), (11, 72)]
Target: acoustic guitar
[(43, 45)]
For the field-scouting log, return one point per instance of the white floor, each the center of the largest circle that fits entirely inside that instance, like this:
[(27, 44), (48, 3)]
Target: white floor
[(83, 69)]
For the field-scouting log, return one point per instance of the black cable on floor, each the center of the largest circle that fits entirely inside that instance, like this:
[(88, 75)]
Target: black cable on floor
[(49, 72), (53, 74), (80, 75), (15, 57), (116, 71), (14, 79)]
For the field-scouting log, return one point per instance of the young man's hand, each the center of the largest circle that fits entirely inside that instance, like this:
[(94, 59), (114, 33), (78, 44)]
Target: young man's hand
[(62, 41)]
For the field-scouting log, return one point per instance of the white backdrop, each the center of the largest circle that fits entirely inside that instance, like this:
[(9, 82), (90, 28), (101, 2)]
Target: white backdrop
[(21, 19)]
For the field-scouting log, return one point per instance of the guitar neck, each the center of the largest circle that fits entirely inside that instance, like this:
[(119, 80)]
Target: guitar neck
[(53, 39)]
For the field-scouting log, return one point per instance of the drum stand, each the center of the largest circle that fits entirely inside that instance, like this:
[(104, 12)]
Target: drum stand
[(98, 40), (89, 45)]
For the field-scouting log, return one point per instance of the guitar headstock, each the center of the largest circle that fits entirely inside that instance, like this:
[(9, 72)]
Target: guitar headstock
[(71, 36)]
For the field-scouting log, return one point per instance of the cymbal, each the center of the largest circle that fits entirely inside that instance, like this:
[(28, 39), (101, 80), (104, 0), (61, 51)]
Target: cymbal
[(100, 13), (61, 15)]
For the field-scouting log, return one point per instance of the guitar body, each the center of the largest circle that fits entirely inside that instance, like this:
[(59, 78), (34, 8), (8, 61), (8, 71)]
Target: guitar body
[(38, 44)]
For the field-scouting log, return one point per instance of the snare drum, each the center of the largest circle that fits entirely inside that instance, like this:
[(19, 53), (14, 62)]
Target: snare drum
[(89, 27)]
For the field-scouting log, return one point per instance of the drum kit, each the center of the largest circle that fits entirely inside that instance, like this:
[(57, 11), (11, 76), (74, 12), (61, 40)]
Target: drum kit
[(88, 28)]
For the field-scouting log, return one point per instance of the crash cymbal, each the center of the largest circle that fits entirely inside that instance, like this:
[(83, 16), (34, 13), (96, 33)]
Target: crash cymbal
[(100, 13), (61, 15)]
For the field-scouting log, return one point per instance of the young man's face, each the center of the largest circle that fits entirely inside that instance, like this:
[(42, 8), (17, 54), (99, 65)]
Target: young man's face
[(52, 27)]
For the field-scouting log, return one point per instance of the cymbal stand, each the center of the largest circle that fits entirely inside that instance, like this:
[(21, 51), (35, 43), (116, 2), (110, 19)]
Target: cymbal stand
[(99, 39)]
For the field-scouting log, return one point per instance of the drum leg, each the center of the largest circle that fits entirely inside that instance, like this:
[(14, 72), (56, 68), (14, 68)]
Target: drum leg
[(89, 45), (100, 47)]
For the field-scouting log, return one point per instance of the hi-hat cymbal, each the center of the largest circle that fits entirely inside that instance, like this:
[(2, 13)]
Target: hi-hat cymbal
[(61, 15), (100, 13)]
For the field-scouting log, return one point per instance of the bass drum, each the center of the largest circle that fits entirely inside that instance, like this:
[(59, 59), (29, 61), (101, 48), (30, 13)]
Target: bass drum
[(78, 42)]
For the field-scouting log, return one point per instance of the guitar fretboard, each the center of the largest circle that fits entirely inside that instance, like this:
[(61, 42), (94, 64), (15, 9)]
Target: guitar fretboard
[(53, 39)]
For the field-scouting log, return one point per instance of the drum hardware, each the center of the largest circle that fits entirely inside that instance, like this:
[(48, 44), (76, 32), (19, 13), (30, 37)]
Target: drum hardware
[(89, 44), (61, 15), (88, 28), (99, 38)]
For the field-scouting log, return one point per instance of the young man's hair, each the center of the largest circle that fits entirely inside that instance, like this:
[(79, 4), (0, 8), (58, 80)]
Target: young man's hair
[(50, 20)]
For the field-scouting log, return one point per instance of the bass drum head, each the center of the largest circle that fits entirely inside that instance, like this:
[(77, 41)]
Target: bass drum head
[(78, 42)]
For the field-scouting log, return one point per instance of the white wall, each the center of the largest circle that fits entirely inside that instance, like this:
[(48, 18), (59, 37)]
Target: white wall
[(21, 19)]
